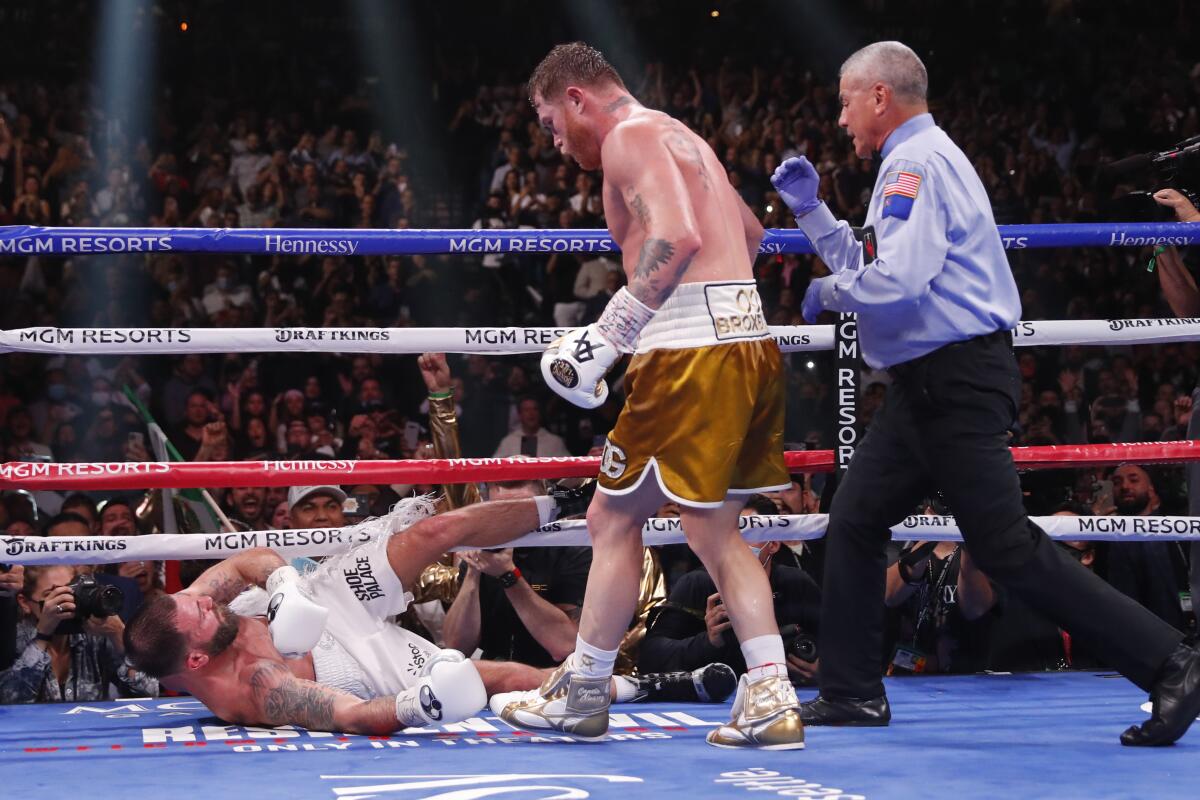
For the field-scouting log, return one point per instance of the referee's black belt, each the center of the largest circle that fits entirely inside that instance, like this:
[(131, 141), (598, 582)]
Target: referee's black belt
[(900, 372)]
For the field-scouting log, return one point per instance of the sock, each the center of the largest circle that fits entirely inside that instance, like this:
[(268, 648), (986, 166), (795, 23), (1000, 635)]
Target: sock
[(547, 509), (764, 656), (592, 662), (626, 688)]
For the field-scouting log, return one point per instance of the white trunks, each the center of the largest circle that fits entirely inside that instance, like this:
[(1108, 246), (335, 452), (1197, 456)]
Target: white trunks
[(361, 591)]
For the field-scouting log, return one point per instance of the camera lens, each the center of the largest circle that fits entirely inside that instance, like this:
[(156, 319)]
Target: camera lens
[(804, 647), (108, 601), (94, 599)]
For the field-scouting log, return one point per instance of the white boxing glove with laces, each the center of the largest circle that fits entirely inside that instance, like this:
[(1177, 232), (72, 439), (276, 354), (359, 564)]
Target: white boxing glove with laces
[(574, 366)]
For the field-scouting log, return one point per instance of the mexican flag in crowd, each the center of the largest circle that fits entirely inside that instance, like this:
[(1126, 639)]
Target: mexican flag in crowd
[(183, 510)]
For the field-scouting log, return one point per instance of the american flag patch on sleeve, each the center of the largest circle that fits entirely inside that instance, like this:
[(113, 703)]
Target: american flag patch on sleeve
[(899, 191)]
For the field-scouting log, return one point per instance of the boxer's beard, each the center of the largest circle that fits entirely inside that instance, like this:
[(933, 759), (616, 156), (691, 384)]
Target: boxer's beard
[(227, 631), (583, 150)]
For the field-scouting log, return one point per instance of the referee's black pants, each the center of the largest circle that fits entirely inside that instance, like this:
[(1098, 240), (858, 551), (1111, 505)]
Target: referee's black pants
[(944, 426)]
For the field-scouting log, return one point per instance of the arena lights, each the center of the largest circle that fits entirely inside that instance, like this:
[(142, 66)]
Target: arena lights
[(715, 13), (183, 26)]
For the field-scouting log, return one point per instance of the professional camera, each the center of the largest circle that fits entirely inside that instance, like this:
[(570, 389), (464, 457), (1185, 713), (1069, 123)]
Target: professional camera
[(92, 599), (1177, 167), (798, 643)]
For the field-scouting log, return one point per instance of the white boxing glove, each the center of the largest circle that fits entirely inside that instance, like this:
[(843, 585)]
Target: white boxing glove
[(295, 621), (575, 365), (450, 690)]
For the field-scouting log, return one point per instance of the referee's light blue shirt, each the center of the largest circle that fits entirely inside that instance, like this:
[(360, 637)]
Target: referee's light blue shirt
[(940, 275)]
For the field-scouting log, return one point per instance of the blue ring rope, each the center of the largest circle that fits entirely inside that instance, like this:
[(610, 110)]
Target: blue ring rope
[(30, 240)]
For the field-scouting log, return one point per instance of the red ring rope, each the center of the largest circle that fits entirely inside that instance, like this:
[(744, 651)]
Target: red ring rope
[(220, 474)]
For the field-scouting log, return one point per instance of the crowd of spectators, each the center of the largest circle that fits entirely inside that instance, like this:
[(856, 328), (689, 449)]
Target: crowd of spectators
[(1037, 117)]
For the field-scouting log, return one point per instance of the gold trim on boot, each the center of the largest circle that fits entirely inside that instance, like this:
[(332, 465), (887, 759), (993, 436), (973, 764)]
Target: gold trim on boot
[(566, 702), (765, 717)]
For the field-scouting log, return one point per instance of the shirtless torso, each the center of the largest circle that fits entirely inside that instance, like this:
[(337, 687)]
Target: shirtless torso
[(234, 668), (649, 153), (231, 663), (229, 684)]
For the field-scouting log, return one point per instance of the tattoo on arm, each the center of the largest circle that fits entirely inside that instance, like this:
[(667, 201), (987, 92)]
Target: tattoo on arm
[(649, 284), (219, 584), (655, 253), (285, 700), (226, 580)]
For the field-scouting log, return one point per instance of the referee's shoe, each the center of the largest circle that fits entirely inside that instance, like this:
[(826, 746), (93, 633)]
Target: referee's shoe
[(1175, 701)]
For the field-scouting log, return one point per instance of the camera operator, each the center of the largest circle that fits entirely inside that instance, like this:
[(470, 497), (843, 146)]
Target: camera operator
[(68, 524), (943, 599), (692, 629), (1179, 288), (69, 642)]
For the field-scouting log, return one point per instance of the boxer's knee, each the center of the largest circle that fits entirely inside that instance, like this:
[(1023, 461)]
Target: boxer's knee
[(712, 545), (607, 523)]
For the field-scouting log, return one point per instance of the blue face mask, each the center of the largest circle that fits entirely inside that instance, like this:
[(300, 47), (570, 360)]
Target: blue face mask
[(756, 549), (57, 392)]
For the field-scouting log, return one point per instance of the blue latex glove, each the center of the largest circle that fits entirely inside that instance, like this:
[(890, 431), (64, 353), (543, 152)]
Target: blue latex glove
[(814, 302), (796, 180)]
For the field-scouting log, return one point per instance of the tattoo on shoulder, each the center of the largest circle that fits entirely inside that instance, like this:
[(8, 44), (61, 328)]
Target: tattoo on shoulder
[(683, 147), (284, 699), (620, 102)]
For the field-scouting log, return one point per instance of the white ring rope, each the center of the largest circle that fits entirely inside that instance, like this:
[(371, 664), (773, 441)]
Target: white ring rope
[(567, 533), (501, 341)]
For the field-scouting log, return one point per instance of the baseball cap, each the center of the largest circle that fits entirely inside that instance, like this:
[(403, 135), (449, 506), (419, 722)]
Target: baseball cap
[(297, 494)]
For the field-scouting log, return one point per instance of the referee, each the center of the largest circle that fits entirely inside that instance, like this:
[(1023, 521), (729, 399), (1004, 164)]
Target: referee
[(935, 308)]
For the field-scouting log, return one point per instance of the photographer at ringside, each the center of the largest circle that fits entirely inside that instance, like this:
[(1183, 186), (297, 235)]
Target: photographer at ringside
[(943, 602), (692, 629), (1179, 289), (69, 642)]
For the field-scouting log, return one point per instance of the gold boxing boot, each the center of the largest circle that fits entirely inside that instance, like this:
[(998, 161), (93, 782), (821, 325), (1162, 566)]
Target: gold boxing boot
[(765, 717), (566, 702)]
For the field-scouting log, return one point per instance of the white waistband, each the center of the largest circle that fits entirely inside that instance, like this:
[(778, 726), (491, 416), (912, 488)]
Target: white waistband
[(704, 314)]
